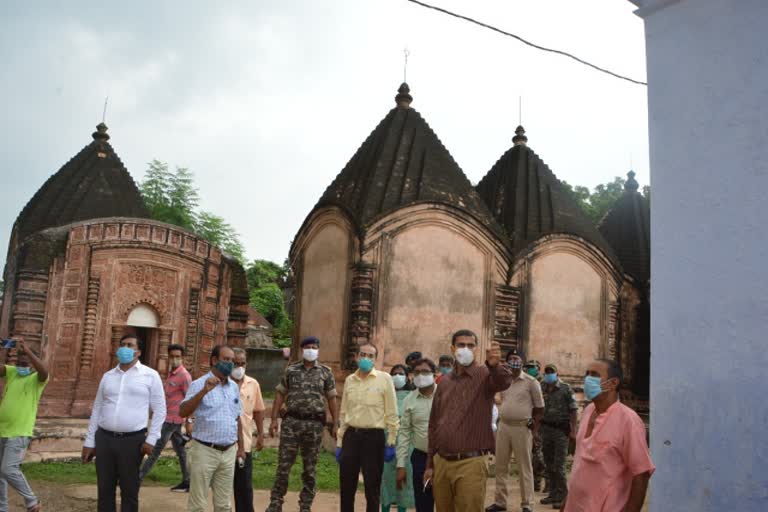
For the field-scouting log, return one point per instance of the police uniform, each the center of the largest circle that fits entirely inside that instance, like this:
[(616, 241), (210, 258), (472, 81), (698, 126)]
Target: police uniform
[(555, 431), (305, 391)]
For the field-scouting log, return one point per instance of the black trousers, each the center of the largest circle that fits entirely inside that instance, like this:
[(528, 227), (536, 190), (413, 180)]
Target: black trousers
[(117, 462), (244, 485), (425, 502), (361, 449)]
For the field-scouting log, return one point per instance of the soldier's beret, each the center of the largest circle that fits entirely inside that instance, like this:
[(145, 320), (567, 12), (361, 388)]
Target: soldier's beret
[(533, 362), (309, 340), (413, 355)]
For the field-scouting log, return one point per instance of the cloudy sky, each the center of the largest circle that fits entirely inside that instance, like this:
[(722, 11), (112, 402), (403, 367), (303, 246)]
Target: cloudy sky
[(266, 101)]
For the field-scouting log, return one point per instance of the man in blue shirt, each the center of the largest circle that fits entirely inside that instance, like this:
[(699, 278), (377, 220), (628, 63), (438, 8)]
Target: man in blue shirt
[(214, 400)]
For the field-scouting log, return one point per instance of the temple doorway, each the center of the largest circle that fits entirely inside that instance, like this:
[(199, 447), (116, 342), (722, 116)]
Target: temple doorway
[(143, 321)]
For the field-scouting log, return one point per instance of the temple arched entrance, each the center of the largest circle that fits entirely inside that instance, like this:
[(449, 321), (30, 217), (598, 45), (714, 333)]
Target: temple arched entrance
[(143, 321)]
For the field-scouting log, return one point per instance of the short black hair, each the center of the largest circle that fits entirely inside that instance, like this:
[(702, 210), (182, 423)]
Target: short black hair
[(401, 367), (445, 358), (614, 370), (175, 346), (216, 351), (368, 344), (139, 341), (428, 362), (463, 332)]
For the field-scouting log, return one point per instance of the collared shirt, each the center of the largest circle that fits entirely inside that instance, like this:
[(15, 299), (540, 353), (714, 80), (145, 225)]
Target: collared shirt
[(216, 416), (250, 397), (369, 402), (606, 462), (306, 389), (123, 402), (520, 398), (176, 386), (414, 425), (18, 407), (558, 402), (460, 420)]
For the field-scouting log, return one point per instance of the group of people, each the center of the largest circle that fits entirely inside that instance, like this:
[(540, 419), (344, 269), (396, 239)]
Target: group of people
[(421, 434)]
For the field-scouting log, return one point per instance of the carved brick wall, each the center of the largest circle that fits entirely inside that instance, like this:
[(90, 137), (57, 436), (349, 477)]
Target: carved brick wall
[(361, 312), (190, 342), (506, 325), (613, 330), (89, 328)]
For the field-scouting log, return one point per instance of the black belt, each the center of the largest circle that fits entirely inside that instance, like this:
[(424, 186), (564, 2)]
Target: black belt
[(306, 417), (122, 434), (219, 447), (355, 429), (464, 455)]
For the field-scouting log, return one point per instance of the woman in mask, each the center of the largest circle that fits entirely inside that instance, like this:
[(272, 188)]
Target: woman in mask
[(390, 494)]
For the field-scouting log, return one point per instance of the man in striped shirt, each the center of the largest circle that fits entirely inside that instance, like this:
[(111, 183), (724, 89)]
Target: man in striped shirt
[(460, 435)]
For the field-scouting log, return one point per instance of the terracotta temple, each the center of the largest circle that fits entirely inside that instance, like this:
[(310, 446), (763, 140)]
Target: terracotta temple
[(402, 250), (86, 265)]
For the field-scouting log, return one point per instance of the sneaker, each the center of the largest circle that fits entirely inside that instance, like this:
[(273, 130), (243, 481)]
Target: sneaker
[(494, 508), (527, 509), (182, 487)]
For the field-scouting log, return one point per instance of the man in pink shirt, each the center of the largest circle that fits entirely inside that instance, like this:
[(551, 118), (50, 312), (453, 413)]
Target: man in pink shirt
[(612, 465), (176, 386)]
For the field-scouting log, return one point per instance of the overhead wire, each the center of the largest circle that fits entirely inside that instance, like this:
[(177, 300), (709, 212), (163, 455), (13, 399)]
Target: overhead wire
[(524, 41)]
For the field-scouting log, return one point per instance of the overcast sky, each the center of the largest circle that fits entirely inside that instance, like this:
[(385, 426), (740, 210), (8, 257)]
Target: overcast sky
[(266, 101)]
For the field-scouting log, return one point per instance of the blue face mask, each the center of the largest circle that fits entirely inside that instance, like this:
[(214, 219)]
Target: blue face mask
[(445, 370), (550, 378), (365, 364), (592, 387), (125, 355), (23, 371), (225, 367)]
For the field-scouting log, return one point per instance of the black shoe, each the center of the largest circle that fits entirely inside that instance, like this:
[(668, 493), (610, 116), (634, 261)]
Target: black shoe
[(527, 509), (182, 487), (536, 485), (557, 504), (547, 501), (494, 508)]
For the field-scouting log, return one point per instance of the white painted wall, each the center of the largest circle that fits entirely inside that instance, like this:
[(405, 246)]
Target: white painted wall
[(708, 112)]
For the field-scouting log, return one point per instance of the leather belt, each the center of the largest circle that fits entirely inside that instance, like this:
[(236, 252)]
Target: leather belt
[(355, 429), (122, 434), (517, 423), (219, 447), (465, 455), (306, 417)]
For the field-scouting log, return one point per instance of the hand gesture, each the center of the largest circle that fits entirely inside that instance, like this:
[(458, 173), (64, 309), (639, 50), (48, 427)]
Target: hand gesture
[(211, 383), (21, 347), (146, 449), (87, 455), (273, 427), (493, 354), (401, 477)]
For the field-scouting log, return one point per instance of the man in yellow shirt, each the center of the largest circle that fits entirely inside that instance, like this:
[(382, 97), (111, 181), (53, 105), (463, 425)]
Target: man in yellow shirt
[(367, 431)]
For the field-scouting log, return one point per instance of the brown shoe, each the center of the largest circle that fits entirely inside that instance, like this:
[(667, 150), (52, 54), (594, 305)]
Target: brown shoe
[(35, 508)]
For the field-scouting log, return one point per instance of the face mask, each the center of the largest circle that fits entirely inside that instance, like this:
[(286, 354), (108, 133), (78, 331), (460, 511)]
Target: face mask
[(592, 387), (533, 372), (23, 371), (550, 378), (365, 365), (423, 381), (125, 355), (175, 362), (515, 365), (310, 354), (238, 373), (398, 381), (445, 370), (464, 356), (225, 367)]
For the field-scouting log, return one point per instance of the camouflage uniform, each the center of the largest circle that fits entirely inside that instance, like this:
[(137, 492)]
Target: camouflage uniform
[(555, 430), (305, 391), (537, 456)]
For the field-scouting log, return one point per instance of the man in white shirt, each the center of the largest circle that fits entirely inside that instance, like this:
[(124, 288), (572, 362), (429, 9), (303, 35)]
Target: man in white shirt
[(117, 433)]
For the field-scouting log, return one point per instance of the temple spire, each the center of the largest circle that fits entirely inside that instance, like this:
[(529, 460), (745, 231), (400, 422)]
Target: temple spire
[(520, 139), (101, 133), (403, 98), (631, 184)]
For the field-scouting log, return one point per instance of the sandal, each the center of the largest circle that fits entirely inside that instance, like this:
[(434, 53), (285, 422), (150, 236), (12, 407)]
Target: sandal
[(35, 508)]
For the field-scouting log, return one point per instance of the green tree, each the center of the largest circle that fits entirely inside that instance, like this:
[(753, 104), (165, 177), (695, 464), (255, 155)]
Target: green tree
[(268, 300), (266, 280), (262, 272), (172, 197)]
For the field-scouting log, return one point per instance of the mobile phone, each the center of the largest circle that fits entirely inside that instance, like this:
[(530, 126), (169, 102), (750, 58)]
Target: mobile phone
[(9, 343), (427, 483)]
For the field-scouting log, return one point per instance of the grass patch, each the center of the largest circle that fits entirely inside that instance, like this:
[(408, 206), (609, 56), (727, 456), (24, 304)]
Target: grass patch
[(166, 472), (268, 395)]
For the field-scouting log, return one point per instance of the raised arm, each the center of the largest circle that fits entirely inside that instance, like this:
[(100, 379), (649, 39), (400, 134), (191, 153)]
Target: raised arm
[(195, 395), (36, 362)]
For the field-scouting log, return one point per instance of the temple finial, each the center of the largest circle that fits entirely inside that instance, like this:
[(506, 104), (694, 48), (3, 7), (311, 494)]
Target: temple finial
[(403, 98), (101, 133), (631, 184), (520, 139)]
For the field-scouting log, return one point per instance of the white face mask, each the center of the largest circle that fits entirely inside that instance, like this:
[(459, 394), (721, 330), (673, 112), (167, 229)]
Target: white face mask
[(464, 356), (423, 381), (238, 373), (398, 381), (310, 354)]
